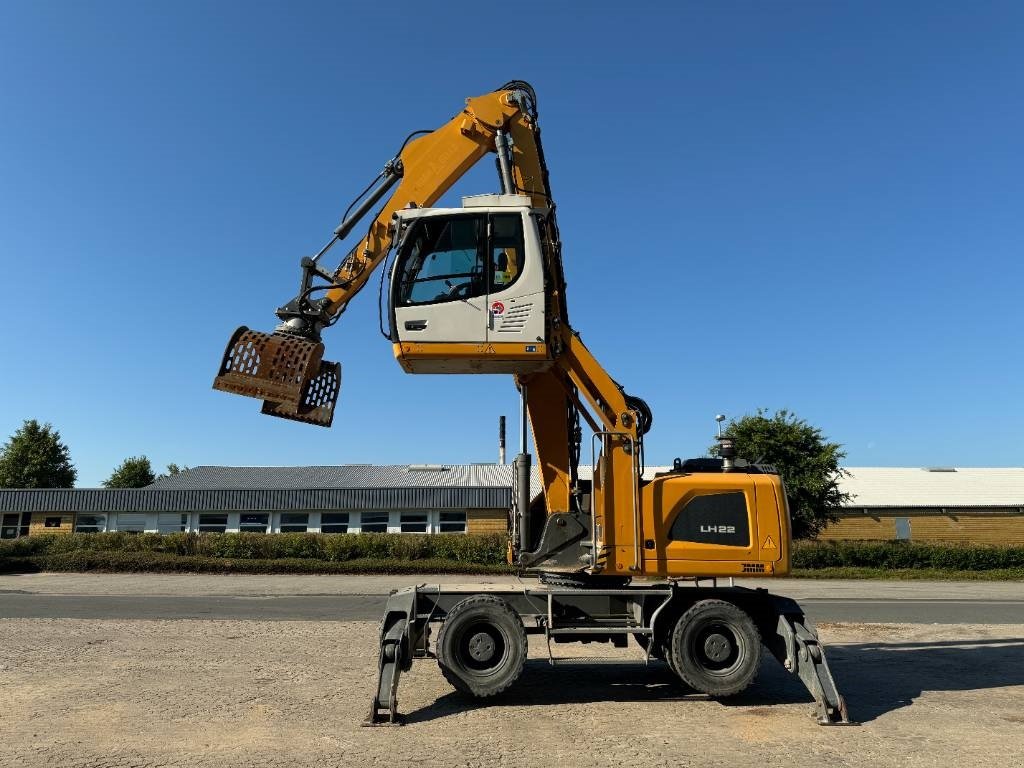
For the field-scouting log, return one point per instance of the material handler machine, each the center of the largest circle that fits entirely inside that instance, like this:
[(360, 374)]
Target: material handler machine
[(481, 290)]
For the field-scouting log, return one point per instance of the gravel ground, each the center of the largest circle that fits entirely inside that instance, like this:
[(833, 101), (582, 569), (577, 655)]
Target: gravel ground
[(247, 693)]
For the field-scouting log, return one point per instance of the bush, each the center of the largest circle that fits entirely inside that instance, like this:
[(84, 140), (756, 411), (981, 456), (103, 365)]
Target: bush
[(901, 555), (487, 549), (159, 562), (418, 553)]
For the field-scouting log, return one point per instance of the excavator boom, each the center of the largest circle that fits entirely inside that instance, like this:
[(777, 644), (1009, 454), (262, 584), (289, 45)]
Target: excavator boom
[(286, 369)]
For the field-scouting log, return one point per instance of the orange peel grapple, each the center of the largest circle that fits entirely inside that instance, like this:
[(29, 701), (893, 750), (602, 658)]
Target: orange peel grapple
[(285, 371)]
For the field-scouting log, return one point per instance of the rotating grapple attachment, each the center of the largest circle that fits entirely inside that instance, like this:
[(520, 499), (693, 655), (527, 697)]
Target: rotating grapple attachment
[(287, 372)]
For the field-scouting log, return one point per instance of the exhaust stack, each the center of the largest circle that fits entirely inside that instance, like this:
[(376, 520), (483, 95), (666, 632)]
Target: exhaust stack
[(501, 439)]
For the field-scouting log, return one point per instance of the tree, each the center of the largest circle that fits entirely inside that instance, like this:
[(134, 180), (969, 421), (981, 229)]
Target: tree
[(35, 457), (133, 472), (172, 470), (808, 463)]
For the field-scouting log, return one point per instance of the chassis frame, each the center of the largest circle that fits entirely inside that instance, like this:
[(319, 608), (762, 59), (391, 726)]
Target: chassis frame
[(647, 611)]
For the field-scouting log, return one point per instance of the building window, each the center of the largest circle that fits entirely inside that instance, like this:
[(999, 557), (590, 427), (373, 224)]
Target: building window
[(253, 522), (213, 523), (413, 522), (903, 525), (374, 522), (90, 524), (26, 518), (334, 522), (172, 522), (9, 528), (131, 522), (451, 522), (294, 522), (51, 522)]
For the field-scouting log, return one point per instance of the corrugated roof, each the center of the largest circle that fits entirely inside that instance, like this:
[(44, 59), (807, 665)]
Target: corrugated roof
[(341, 476), (916, 487)]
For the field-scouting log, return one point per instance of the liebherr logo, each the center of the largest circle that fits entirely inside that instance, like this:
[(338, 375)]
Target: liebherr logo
[(718, 529)]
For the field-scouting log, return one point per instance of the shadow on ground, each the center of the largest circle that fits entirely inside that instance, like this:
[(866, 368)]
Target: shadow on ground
[(875, 678)]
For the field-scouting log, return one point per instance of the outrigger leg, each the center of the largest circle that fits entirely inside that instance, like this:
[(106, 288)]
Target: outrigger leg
[(795, 644), (396, 644)]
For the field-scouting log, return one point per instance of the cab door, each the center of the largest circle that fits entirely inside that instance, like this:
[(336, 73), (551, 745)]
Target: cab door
[(440, 281), (516, 301)]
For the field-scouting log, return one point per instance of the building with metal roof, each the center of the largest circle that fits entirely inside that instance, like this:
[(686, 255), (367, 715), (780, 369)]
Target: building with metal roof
[(941, 504), (447, 498), (925, 504)]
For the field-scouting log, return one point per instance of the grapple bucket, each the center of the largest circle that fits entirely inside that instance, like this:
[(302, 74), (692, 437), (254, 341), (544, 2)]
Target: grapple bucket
[(286, 372)]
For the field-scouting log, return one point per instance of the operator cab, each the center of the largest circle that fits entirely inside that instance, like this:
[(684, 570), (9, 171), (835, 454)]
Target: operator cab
[(467, 291)]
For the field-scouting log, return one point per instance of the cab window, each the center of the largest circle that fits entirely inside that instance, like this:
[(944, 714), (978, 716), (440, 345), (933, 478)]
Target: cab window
[(506, 250), (442, 260)]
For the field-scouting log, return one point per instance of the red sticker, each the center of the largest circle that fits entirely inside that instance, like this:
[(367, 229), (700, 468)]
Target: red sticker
[(498, 308)]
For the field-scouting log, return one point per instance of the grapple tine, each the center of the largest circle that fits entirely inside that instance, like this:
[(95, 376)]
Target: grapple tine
[(286, 371), (317, 405)]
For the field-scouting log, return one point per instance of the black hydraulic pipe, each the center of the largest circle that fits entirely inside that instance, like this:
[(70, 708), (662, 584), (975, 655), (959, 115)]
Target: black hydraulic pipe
[(522, 470), (504, 166), (392, 173)]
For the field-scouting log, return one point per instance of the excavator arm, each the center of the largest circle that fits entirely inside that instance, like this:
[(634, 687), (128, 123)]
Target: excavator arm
[(286, 369)]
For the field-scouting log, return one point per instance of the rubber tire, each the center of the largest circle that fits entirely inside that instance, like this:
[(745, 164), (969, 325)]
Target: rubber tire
[(481, 611), (685, 658)]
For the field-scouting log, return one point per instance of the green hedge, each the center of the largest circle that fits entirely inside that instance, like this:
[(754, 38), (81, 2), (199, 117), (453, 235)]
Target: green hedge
[(453, 547), (420, 553), (904, 555), (159, 562)]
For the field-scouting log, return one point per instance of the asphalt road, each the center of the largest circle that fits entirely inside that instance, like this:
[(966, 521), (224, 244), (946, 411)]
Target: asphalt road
[(355, 607)]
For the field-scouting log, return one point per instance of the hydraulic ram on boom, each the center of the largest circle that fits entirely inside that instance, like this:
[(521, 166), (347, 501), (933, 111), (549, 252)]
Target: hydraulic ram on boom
[(481, 289)]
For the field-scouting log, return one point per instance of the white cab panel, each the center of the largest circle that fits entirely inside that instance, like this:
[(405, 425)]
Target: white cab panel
[(470, 275)]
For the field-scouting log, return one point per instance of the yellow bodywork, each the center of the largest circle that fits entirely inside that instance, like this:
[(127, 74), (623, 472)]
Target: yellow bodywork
[(767, 550)]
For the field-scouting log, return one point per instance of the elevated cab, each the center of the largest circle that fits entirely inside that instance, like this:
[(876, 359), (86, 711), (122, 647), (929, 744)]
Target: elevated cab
[(467, 288)]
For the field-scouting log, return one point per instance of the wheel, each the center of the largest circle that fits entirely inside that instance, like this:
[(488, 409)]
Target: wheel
[(481, 647), (715, 648), (584, 581)]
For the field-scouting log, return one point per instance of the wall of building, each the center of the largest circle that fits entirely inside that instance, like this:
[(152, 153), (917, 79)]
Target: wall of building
[(43, 522), (390, 521), (487, 520), (974, 527)]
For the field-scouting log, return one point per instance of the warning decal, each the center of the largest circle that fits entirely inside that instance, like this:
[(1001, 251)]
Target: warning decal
[(768, 543)]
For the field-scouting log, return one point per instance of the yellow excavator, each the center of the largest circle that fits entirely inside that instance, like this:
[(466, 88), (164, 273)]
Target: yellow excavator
[(481, 290)]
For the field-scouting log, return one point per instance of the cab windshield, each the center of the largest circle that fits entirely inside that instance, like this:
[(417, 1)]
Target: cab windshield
[(442, 260)]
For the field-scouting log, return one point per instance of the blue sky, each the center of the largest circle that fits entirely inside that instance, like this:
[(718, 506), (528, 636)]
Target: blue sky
[(805, 205)]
